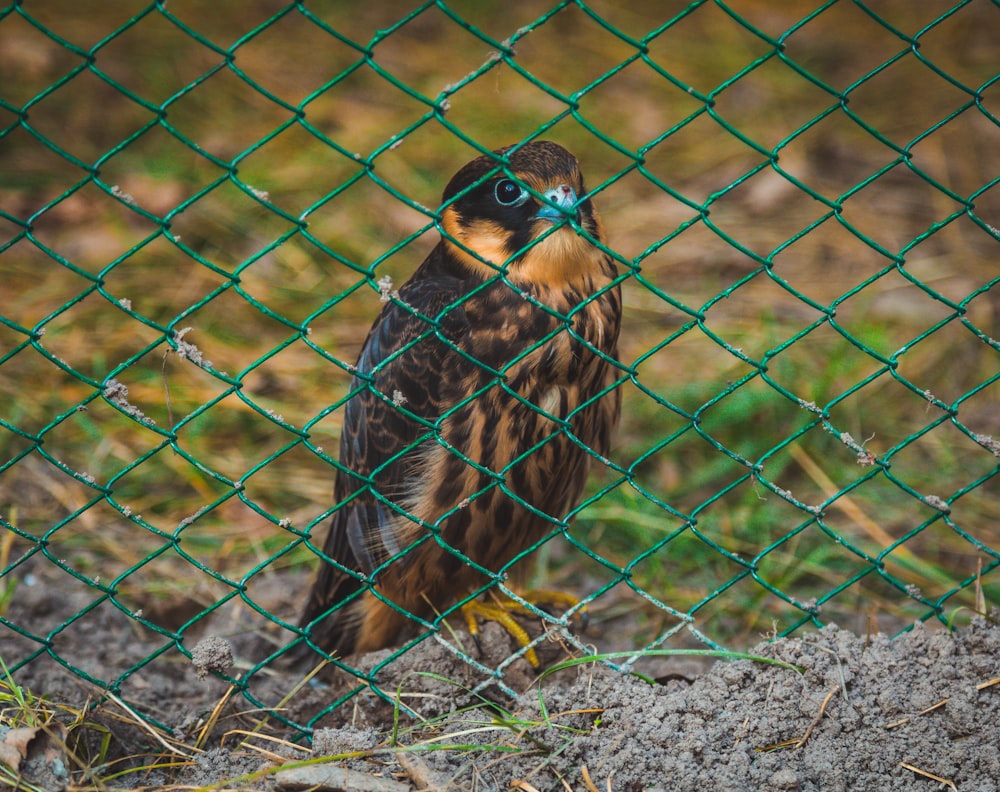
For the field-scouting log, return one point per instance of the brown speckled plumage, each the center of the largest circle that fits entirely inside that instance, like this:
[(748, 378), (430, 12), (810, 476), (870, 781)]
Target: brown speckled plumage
[(499, 389)]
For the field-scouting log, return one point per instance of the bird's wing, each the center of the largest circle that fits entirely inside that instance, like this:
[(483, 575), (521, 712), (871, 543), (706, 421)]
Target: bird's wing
[(402, 367)]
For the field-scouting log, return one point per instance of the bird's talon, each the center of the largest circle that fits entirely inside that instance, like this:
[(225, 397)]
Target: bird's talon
[(480, 610), (502, 614), (472, 625), (560, 600)]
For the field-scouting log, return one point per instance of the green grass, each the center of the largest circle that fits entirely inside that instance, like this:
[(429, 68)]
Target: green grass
[(861, 509)]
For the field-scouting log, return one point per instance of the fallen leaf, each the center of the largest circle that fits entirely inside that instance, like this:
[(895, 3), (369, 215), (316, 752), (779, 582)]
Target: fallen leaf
[(14, 746)]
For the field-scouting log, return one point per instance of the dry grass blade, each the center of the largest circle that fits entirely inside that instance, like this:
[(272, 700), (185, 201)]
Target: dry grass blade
[(150, 729), (933, 707), (249, 746), (588, 782), (213, 718), (939, 704), (779, 746), (931, 776), (829, 489), (980, 595)]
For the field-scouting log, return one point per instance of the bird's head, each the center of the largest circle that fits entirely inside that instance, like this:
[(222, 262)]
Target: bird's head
[(531, 218)]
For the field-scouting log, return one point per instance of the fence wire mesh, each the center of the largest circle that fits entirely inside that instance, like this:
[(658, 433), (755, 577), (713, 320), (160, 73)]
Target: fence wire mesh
[(200, 209)]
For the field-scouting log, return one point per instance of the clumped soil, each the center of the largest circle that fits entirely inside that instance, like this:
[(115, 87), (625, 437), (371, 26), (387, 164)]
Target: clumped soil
[(855, 713)]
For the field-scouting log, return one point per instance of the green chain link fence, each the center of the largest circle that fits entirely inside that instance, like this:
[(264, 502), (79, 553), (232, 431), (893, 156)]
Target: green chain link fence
[(198, 209)]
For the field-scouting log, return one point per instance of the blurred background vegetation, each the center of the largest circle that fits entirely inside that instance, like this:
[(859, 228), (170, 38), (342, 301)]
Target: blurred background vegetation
[(198, 199)]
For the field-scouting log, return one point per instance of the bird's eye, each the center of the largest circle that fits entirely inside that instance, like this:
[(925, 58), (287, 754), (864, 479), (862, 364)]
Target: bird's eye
[(509, 193)]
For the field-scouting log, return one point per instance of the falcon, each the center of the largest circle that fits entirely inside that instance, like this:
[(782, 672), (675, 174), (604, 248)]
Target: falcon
[(482, 392)]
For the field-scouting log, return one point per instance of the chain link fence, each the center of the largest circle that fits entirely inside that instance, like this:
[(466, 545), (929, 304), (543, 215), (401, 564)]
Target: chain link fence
[(199, 210)]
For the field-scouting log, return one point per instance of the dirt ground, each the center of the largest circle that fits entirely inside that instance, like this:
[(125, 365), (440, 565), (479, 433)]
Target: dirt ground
[(855, 713)]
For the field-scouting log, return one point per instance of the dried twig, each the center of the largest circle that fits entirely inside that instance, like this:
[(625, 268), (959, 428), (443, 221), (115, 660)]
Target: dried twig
[(817, 719), (418, 771)]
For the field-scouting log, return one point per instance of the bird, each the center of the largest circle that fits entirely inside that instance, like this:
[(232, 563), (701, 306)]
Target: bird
[(482, 393)]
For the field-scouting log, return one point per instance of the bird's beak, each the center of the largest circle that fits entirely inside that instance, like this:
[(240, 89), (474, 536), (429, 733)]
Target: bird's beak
[(564, 198)]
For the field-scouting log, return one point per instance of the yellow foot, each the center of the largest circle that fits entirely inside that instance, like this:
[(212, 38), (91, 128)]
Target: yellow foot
[(502, 614)]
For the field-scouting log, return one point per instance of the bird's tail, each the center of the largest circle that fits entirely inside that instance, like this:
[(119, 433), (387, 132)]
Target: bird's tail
[(333, 631)]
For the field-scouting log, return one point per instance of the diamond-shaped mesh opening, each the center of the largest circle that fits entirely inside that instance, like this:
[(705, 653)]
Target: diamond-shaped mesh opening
[(911, 462), (930, 153), (726, 420), (842, 62), (835, 155), (211, 226), (38, 176), (928, 208), (410, 194), (501, 102), (71, 340), (408, 55), (128, 283), (606, 52), (204, 432), (64, 229), (44, 494), (37, 285), (658, 104), (223, 91), (770, 194), (877, 413), (690, 26), (34, 63), (896, 118), (184, 172), (829, 262), (157, 37), (87, 131), (295, 169), (139, 490), (280, 71), (705, 265), (757, 103), (404, 223), (963, 370), (971, 65), (645, 216), (204, 209), (333, 331), (725, 158)]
